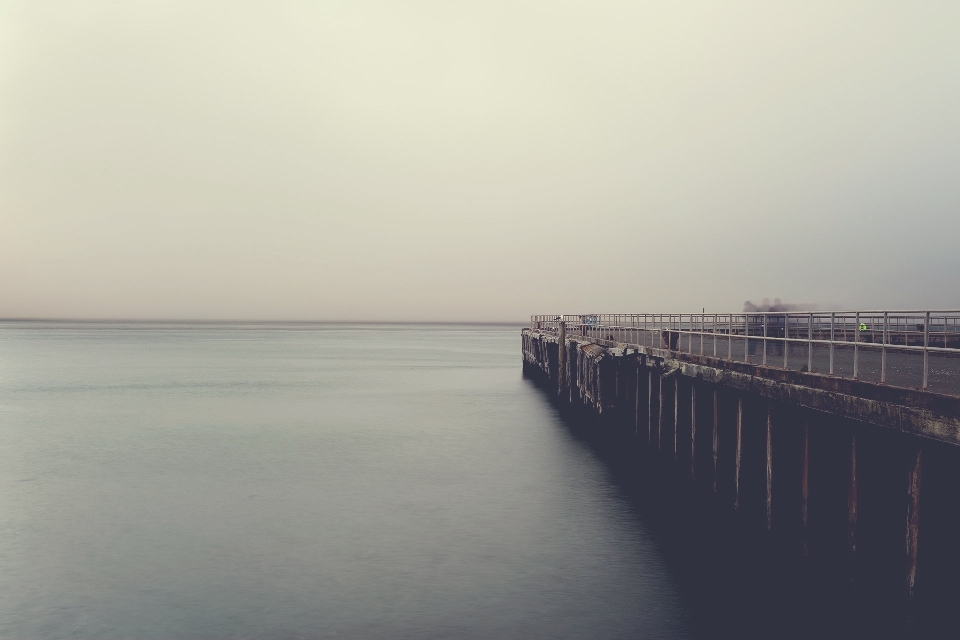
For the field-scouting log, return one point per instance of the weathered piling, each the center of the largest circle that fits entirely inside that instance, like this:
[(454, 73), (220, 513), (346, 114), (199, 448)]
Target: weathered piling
[(693, 431), (738, 455), (913, 518), (852, 496), (768, 487), (805, 490), (714, 433)]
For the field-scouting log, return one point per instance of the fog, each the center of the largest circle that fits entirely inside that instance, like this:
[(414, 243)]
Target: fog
[(442, 160)]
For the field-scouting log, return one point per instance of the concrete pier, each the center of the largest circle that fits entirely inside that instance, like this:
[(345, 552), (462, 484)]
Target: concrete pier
[(789, 430)]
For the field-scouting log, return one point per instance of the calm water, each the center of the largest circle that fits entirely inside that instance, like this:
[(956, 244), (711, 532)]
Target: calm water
[(315, 481)]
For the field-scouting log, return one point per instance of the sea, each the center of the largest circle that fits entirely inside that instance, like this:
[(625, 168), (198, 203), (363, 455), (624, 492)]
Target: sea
[(242, 480)]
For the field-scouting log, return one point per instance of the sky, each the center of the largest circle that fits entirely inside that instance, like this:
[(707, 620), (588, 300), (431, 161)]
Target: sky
[(488, 160)]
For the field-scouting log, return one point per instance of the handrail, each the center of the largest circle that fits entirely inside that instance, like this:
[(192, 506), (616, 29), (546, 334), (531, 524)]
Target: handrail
[(895, 336)]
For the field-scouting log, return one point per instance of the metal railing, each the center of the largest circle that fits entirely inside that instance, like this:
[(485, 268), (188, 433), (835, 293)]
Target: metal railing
[(912, 349)]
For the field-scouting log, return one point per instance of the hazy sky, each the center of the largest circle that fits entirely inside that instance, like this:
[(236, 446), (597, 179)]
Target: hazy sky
[(475, 160)]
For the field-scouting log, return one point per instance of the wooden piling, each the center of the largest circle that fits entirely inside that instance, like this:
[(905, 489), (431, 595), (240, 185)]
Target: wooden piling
[(660, 414), (852, 499), (649, 405), (768, 489), (805, 491), (738, 454), (676, 414), (913, 517), (562, 359), (715, 436), (693, 430), (620, 388), (636, 408), (572, 371)]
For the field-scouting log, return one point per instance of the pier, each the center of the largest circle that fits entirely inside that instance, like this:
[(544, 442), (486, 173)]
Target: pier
[(833, 437)]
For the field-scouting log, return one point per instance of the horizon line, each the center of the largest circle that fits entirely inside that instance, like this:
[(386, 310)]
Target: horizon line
[(260, 321)]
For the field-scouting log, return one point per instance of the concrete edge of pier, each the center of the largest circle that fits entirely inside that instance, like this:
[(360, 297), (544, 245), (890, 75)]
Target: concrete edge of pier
[(910, 411)]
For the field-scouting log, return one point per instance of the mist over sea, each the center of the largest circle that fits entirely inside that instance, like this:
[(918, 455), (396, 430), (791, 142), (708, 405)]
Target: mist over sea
[(307, 481)]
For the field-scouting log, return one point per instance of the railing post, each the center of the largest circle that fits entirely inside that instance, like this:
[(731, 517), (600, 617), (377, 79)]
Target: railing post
[(810, 343), (714, 335), (883, 348), (786, 337), (764, 339), (746, 340), (730, 337), (833, 317), (856, 347), (926, 352), (701, 334)]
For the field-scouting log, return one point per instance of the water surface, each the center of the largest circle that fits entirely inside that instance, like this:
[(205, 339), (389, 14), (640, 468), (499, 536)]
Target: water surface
[(314, 481)]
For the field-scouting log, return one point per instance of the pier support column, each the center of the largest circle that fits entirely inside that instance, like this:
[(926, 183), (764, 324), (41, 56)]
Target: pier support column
[(676, 415), (714, 436), (562, 359), (693, 430), (660, 414), (738, 454), (913, 517), (649, 406), (572, 364), (636, 407), (768, 489), (852, 511), (618, 390), (805, 490)]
